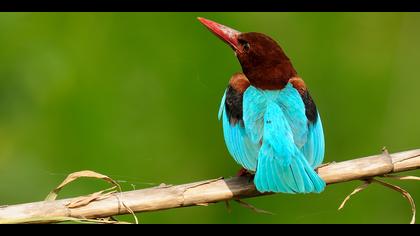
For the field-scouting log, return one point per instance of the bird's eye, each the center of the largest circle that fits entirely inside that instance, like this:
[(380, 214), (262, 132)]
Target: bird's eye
[(245, 45)]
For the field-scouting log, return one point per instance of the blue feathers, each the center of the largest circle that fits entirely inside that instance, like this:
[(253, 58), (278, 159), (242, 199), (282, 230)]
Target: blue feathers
[(254, 105), (296, 177), (276, 140), (281, 165), (314, 148), (239, 145)]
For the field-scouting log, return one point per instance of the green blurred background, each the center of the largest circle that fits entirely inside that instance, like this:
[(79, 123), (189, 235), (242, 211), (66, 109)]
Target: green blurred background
[(135, 96)]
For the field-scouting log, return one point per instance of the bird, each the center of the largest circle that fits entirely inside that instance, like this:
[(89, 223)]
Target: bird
[(271, 125)]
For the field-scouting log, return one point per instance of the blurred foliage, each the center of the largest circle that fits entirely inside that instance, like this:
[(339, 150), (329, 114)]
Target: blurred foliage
[(135, 96)]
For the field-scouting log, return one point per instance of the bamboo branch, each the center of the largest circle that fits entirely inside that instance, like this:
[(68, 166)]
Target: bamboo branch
[(198, 193)]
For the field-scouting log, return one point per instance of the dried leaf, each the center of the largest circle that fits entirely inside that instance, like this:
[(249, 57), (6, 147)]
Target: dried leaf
[(358, 189), (405, 194), (249, 206), (84, 200), (403, 177), (130, 210), (391, 186), (80, 174)]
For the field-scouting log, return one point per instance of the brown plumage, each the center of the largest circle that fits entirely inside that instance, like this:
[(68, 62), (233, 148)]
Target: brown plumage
[(234, 96), (264, 62)]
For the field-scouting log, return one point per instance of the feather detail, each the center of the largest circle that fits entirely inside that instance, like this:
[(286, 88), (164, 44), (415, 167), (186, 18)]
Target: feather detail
[(239, 145), (282, 167)]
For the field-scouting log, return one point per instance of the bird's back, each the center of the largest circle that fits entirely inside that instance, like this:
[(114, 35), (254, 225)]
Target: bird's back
[(276, 139)]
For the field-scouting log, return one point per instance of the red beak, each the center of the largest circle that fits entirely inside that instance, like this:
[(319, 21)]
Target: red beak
[(225, 33)]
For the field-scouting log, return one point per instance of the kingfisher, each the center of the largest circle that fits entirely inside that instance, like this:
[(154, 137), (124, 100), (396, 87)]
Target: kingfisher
[(271, 125)]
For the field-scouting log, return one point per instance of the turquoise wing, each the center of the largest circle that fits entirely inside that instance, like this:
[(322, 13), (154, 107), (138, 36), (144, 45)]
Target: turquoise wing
[(239, 145), (254, 106), (277, 120), (308, 136), (314, 147), (291, 103), (282, 167)]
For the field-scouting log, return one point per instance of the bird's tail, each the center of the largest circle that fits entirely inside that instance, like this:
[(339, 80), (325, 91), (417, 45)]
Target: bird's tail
[(294, 176)]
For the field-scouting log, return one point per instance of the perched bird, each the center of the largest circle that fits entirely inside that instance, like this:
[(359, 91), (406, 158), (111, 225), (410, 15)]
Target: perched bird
[(271, 125)]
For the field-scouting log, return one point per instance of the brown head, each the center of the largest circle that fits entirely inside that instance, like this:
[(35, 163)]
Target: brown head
[(263, 61)]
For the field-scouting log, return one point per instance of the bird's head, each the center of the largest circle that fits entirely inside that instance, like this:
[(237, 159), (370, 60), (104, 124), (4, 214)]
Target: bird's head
[(263, 61)]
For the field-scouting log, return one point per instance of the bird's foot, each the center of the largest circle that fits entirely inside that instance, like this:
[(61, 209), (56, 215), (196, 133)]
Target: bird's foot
[(245, 173)]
